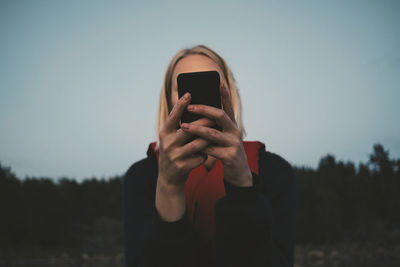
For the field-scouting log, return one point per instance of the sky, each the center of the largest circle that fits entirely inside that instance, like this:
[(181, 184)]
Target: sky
[(80, 80)]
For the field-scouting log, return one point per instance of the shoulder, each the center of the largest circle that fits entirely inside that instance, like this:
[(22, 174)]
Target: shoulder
[(141, 171), (265, 161), (275, 171), (273, 161)]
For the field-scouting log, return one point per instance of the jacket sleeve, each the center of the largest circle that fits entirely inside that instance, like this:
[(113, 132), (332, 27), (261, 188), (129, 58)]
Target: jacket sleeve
[(256, 225), (149, 241)]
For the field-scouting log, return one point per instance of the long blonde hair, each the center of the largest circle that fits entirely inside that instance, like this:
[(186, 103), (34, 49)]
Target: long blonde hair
[(165, 105)]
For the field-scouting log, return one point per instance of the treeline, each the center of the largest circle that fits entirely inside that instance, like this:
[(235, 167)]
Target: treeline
[(337, 201), (66, 215)]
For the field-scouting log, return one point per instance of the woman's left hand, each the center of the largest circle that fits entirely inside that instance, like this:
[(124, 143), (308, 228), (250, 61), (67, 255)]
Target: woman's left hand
[(227, 144)]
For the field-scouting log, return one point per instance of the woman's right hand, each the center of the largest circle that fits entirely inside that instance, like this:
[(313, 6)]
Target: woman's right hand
[(176, 159)]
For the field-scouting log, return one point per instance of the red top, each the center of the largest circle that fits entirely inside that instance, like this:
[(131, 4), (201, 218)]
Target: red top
[(203, 188)]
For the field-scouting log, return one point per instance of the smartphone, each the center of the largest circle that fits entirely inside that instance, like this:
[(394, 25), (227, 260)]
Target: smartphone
[(204, 89)]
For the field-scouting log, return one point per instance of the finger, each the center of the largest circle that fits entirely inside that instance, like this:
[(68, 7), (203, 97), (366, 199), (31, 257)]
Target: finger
[(204, 122), (194, 147), (182, 136), (227, 102), (195, 161), (217, 114), (216, 152), (207, 133), (175, 115)]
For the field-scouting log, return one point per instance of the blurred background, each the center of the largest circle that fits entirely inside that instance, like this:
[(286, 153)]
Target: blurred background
[(79, 89)]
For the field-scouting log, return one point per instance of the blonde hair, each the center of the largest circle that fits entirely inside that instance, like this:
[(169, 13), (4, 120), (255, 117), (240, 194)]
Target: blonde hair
[(165, 105)]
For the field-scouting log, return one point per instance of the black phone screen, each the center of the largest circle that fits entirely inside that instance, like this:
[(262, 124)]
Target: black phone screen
[(204, 89)]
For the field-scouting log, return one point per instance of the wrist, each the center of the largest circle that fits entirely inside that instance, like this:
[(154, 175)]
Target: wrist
[(241, 193), (243, 180), (168, 188), (170, 201)]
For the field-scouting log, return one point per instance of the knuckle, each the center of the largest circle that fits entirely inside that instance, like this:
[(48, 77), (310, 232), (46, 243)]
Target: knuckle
[(186, 135), (203, 142), (213, 132), (237, 132), (176, 168), (202, 158), (231, 152), (171, 113), (236, 151), (180, 102), (221, 114), (179, 106), (202, 121), (226, 117), (227, 159), (173, 157), (193, 146), (167, 146), (162, 144), (161, 134), (169, 158), (180, 167), (175, 164), (172, 116), (207, 122), (236, 143)]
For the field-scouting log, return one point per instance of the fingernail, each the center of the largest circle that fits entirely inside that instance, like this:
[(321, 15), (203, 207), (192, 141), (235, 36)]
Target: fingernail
[(185, 126), (190, 108), (186, 96)]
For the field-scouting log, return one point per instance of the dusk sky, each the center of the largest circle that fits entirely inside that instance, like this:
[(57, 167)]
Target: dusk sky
[(80, 80)]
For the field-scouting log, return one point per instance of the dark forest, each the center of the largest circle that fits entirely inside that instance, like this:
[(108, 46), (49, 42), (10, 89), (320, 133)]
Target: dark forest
[(338, 202)]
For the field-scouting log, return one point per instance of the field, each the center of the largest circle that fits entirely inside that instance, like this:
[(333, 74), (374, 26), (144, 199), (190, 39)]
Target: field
[(383, 253)]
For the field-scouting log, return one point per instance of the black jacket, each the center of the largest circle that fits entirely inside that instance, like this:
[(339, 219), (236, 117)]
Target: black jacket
[(255, 225)]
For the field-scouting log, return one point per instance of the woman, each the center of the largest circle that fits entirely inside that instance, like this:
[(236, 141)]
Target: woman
[(215, 201)]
